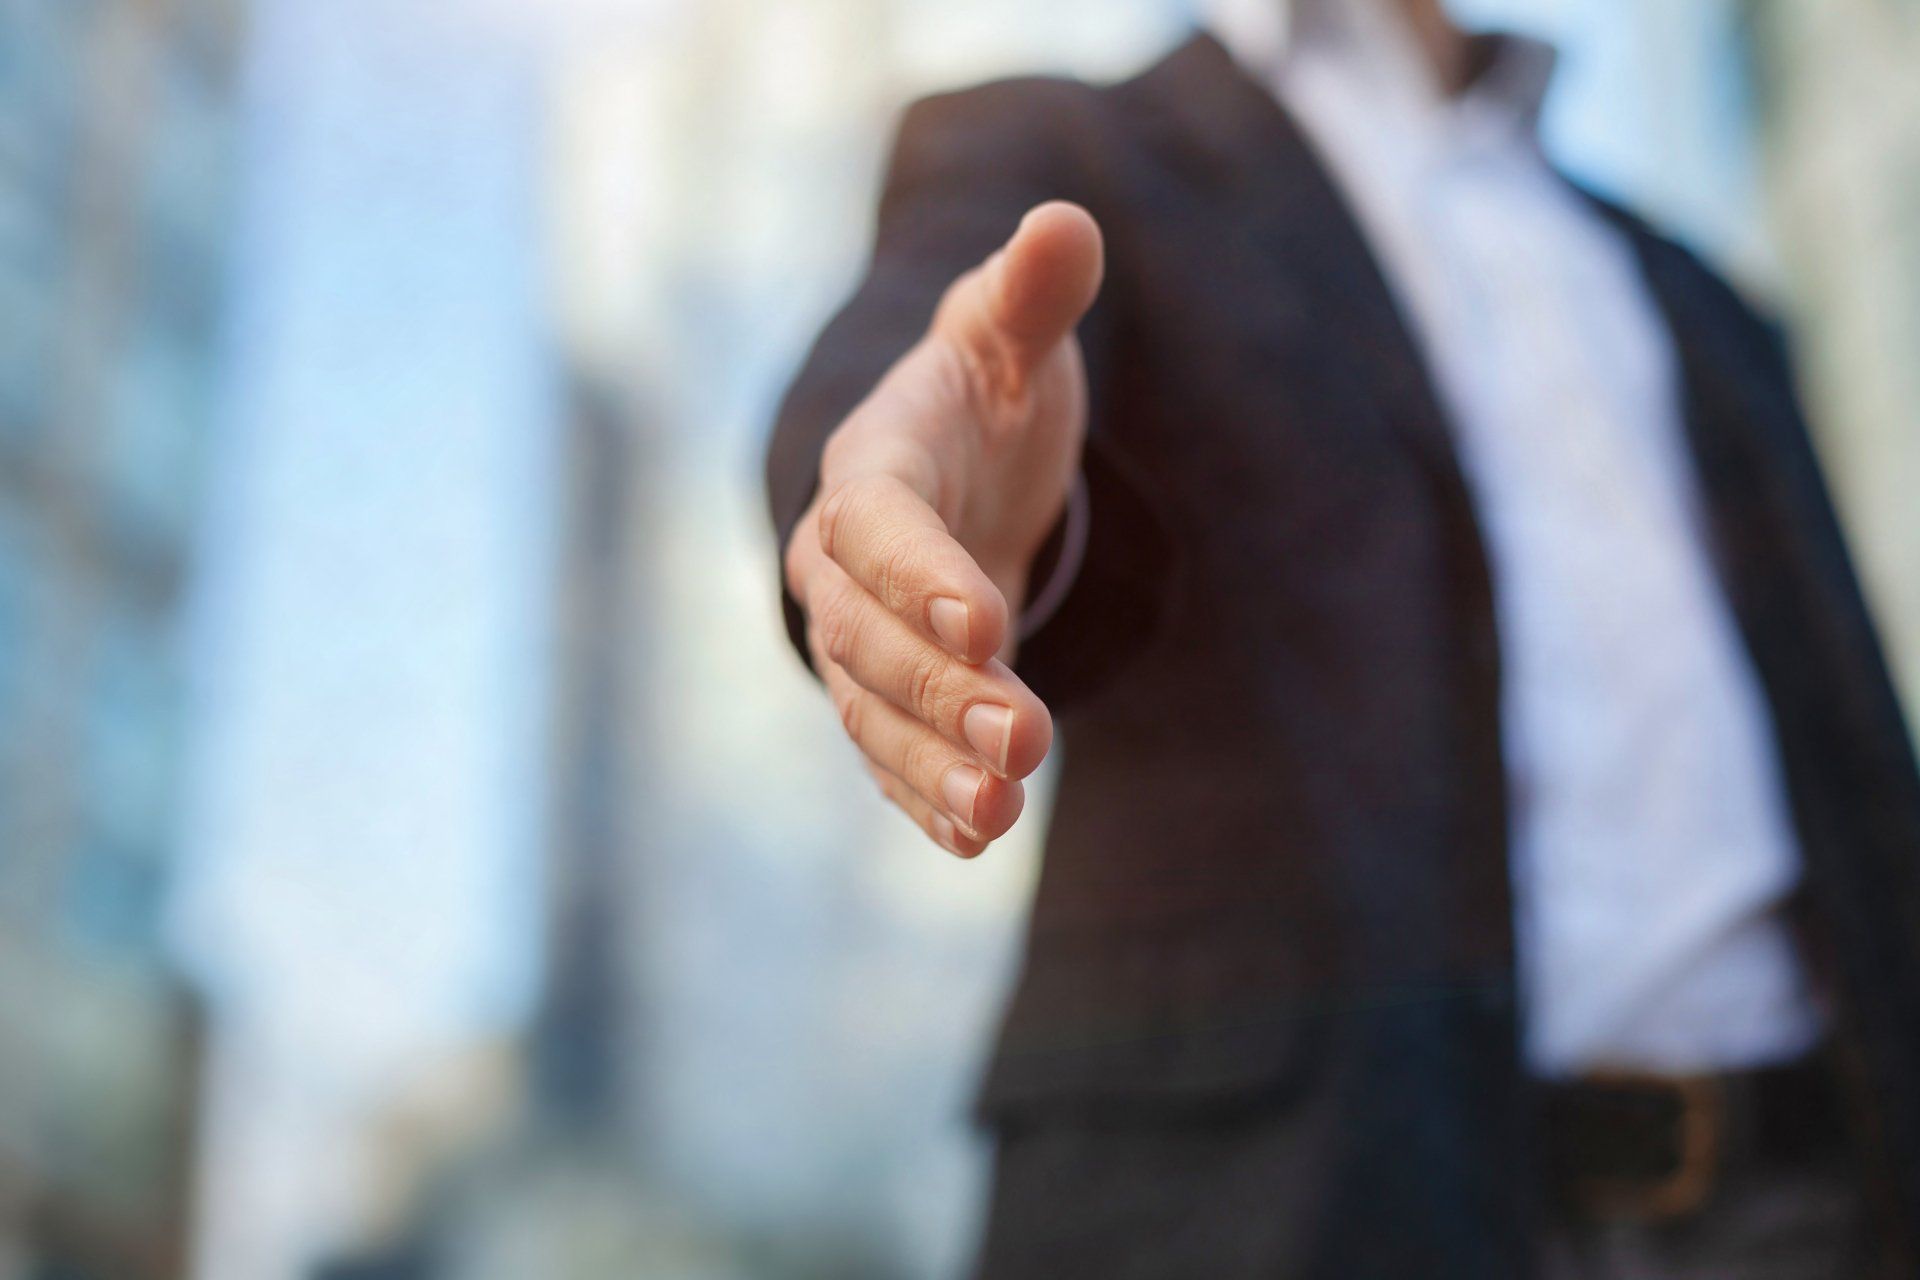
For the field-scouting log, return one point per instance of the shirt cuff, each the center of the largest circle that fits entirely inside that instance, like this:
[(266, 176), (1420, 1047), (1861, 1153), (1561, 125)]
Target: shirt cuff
[(1044, 603)]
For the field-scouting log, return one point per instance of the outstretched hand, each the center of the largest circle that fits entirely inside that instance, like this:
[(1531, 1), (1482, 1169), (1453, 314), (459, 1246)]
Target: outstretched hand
[(934, 495)]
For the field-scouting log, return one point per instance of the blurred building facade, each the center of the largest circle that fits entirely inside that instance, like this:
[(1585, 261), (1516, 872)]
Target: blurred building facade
[(372, 621), (114, 133)]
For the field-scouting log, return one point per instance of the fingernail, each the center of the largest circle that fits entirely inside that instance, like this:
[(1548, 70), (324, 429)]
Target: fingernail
[(949, 619), (943, 833), (989, 730), (961, 787)]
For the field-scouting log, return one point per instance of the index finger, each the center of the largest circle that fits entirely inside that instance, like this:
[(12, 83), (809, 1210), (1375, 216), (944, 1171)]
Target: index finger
[(896, 546)]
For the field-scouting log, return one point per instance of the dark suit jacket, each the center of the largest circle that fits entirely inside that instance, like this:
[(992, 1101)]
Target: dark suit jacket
[(1276, 875)]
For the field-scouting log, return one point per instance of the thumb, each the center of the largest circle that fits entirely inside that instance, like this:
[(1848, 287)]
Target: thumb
[(1032, 292)]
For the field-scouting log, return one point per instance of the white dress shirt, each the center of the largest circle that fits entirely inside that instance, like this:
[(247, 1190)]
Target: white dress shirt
[(1651, 848)]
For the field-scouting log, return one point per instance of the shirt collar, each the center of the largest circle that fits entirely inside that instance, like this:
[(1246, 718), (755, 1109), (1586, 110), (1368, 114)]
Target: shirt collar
[(1263, 35)]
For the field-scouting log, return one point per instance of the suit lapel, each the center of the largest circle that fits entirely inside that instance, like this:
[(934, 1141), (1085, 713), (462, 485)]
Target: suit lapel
[(1253, 154), (1260, 167)]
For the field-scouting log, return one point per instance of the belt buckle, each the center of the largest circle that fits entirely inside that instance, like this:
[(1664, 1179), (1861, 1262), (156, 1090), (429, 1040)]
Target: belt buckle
[(1701, 1133)]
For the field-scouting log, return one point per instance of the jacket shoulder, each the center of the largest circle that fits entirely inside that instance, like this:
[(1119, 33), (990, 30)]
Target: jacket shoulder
[(983, 155), (1014, 95), (1696, 283), (1025, 113)]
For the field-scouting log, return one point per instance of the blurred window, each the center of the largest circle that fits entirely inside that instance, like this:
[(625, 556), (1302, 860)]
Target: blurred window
[(150, 451), (16, 587), (38, 47), (129, 751)]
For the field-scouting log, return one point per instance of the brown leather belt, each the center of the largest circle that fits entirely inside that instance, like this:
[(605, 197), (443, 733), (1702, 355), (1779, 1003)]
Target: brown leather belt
[(1623, 1145)]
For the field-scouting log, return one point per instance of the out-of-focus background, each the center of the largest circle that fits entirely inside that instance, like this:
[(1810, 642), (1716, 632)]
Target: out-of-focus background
[(419, 856)]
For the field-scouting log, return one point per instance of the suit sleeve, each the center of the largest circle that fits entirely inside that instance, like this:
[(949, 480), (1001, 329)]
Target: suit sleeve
[(963, 170), (1811, 575), (1850, 769)]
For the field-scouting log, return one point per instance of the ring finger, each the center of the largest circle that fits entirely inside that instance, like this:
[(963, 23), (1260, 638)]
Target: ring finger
[(980, 805)]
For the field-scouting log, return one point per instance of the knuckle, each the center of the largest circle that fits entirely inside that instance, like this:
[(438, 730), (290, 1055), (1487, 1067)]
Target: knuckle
[(794, 564), (975, 374), (962, 377), (925, 761), (978, 374), (831, 521), (895, 563), (928, 682), (851, 707), (833, 621), (950, 297), (900, 794), (835, 451)]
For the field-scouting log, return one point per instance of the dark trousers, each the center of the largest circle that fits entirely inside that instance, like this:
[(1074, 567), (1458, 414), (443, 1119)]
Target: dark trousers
[(1174, 1197), (1762, 1223)]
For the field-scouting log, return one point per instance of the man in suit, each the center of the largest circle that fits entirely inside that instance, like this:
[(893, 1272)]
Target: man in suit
[(1487, 844)]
